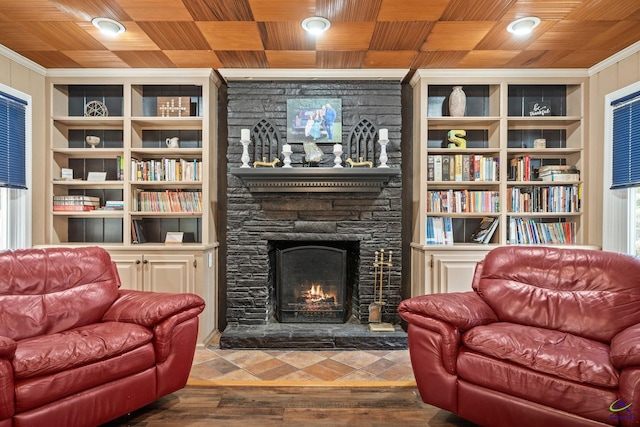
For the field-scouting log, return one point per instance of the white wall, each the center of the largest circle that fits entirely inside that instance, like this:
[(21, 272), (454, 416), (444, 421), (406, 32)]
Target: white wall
[(27, 77)]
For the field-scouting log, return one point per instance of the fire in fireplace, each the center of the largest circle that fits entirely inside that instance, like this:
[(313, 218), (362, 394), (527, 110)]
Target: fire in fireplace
[(311, 283)]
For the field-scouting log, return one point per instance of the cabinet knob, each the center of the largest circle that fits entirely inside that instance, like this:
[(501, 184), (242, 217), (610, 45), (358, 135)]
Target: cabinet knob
[(137, 261), (145, 262)]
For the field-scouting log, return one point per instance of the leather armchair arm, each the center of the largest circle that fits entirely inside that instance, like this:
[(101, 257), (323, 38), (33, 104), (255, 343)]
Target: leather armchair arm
[(151, 308), (625, 348), (7, 348), (462, 310)]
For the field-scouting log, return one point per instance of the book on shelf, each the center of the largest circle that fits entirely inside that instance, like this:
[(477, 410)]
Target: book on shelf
[(73, 208), (447, 168), (439, 230), (430, 172), (116, 205), (137, 231), (120, 166), (76, 199), (437, 167), (485, 230)]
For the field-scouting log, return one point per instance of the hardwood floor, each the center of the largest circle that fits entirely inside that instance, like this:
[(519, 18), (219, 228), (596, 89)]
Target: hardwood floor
[(290, 406)]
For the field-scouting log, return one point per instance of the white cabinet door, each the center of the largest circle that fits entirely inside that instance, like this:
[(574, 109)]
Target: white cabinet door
[(169, 273), (453, 272), (130, 270)]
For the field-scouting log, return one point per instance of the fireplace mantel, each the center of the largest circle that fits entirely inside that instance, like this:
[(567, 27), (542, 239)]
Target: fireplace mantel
[(315, 179)]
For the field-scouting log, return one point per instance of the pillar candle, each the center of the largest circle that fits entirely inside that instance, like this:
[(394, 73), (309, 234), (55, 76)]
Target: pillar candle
[(244, 135), (384, 134)]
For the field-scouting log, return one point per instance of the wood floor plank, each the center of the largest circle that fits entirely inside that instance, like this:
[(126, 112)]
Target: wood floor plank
[(290, 406)]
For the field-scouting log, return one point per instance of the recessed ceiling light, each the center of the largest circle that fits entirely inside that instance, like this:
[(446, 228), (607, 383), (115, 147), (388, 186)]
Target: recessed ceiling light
[(108, 26), (523, 26), (316, 25)]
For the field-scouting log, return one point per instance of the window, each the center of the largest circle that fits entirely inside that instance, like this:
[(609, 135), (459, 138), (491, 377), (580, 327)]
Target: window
[(15, 169), (621, 198)]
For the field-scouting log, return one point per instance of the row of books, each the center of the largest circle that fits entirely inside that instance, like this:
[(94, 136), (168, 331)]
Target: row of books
[(525, 231), (565, 198), (462, 167), (169, 201), (450, 201), (75, 203), (166, 170), (439, 230), (520, 169)]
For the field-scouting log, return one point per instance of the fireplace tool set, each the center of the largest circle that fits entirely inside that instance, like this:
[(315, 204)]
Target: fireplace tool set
[(375, 308)]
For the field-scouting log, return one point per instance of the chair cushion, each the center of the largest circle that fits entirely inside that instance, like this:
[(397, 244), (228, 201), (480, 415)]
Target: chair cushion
[(47, 354), (588, 293), (513, 380), (543, 350)]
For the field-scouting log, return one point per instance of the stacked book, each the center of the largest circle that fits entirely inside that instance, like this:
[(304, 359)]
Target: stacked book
[(559, 173), (75, 203), (114, 205)]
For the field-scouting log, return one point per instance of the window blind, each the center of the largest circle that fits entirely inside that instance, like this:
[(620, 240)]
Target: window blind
[(13, 141), (626, 142)]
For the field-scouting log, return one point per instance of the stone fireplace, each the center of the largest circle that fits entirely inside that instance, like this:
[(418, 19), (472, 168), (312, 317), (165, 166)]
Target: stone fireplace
[(346, 221)]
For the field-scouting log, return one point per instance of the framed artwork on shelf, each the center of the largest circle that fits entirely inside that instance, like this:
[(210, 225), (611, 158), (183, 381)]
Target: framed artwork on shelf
[(316, 120)]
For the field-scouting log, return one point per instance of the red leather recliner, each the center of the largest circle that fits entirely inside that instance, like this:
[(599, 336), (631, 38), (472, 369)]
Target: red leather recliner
[(77, 351), (547, 337)]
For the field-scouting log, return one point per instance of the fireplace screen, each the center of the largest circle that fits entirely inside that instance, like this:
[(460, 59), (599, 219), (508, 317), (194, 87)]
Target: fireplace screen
[(311, 284)]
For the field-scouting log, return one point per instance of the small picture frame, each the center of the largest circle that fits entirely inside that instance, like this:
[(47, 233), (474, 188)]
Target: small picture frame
[(97, 176), (174, 237), (66, 173)]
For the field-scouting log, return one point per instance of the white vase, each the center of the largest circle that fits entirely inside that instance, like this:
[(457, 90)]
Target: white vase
[(457, 102)]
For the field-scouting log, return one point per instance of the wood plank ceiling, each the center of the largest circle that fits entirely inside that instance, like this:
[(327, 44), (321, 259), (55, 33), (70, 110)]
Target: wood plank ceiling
[(364, 33)]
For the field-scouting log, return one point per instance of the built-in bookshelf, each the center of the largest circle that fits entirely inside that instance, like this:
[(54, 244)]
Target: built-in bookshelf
[(511, 129), (152, 158), (519, 169)]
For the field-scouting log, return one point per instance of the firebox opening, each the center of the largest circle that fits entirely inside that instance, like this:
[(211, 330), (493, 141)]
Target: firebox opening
[(314, 280)]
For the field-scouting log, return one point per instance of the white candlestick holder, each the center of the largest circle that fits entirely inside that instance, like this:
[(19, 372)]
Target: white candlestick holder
[(383, 153), (245, 153), (337, 151), (286, 152)]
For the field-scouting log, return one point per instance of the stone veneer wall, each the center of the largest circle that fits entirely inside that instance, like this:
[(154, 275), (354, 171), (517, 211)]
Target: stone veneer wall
[(253, 219)]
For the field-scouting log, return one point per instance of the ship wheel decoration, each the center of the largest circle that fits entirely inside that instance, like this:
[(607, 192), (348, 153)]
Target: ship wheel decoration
[(95, 109)]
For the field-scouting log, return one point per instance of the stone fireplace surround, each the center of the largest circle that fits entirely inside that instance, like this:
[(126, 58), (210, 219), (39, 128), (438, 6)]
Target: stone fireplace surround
[(254, 219)]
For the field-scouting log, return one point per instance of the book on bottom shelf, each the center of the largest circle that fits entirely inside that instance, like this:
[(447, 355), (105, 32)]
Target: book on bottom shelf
[(439, 231), (485, 230), (137, 231)]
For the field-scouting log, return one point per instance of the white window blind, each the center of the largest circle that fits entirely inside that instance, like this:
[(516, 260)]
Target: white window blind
[(626, 142), (13, 141)]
